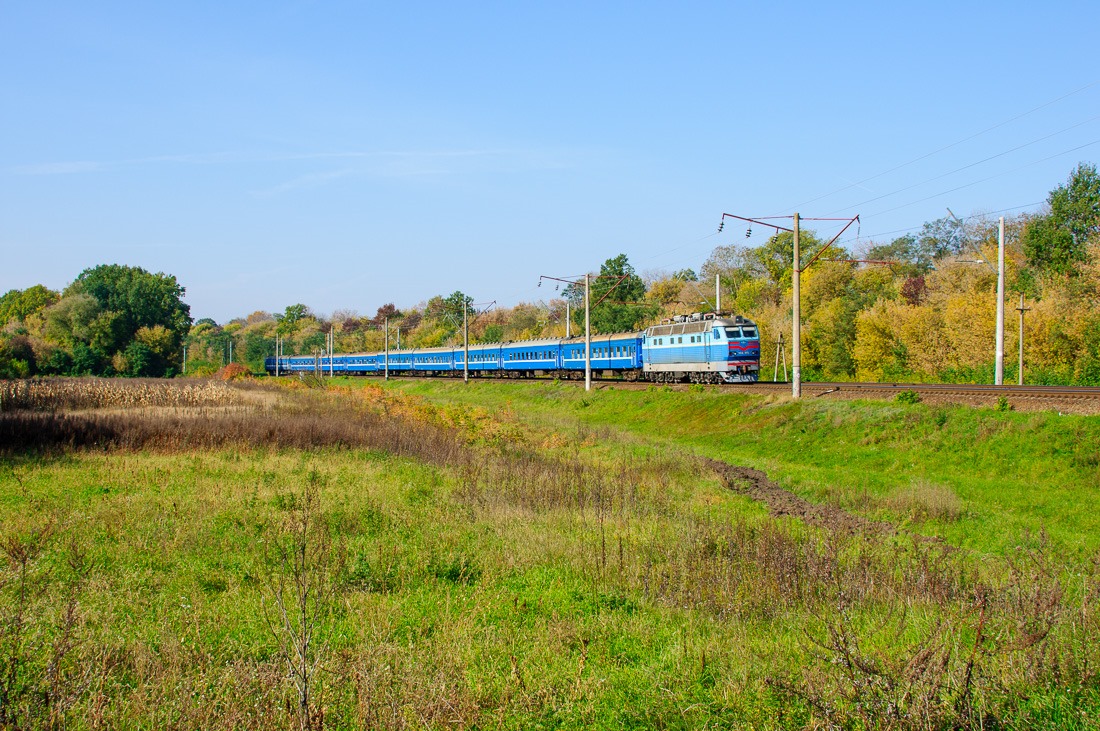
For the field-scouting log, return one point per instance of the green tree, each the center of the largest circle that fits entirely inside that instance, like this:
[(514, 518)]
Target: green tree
[(939, 238), (70, 321), (16, 358), (17, 304), (1050, 247), (913, 256), (1076, 205), (1058, 242), (620, 289), (129, 299), (291, 316), (456, 304), (493, 334), (774, 260)]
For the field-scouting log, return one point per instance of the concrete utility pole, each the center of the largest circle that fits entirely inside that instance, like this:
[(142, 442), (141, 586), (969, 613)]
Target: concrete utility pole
[(276, 355), (387, 340), (717, 294), (796, 275), (1022, 310), (587, 339), (1000, 375), (331, 347), (185, 360), (567, 318), (465, 341), (231, 350), (796, 345)]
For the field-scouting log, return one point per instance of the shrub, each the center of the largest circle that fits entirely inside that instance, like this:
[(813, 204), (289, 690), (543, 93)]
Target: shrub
[(908, 396), (233, 372)]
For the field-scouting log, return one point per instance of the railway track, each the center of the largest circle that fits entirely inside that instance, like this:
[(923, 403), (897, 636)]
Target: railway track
[(1063, 399), (820, 388), (969, 389)]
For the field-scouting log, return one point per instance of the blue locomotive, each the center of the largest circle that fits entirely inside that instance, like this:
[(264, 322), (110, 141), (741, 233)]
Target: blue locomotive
[(697, 348)]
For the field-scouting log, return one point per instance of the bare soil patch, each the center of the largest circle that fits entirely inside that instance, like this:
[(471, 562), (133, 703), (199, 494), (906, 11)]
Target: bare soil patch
[(755, 484)]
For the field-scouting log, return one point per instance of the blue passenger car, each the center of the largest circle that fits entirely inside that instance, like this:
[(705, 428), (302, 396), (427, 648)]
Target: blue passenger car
[(484, 359), (530, 357), (619, 354), (432, 361)]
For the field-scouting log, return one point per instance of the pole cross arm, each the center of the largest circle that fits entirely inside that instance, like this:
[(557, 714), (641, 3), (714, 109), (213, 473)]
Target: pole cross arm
[(758, 221), (621, 278), (832, 241)]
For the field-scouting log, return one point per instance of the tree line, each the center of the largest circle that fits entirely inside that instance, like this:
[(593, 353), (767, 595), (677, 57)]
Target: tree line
[(919, 307), (112, 320)]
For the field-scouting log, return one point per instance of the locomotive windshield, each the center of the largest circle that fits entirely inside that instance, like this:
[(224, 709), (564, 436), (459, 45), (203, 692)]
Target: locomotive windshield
[(748, 331)]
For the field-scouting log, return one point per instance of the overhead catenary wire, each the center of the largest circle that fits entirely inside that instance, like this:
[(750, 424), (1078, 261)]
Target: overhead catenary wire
[(937, 151), (987, 179), (968, 166), (871, 237)]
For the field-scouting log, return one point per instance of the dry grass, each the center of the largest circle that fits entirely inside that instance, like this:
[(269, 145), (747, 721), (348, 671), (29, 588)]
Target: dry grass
[(924, 500)]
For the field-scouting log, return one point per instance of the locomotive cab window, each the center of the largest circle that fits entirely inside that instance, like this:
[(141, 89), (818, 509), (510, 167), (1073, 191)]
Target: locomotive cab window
[(733, 333), (749, 331)]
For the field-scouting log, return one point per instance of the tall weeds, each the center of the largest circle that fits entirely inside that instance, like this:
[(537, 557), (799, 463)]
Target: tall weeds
[(41, 625), (304, 565)]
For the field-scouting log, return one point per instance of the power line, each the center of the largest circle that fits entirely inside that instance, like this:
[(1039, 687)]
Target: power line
[(947, 147), (991, 177), (870, 237), (682, 246), (967, 167)]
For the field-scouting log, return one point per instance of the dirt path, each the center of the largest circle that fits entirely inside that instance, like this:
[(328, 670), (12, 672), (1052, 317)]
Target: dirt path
[(755, 484)]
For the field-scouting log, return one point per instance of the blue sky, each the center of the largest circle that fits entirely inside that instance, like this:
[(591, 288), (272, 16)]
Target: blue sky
[(345, 155)]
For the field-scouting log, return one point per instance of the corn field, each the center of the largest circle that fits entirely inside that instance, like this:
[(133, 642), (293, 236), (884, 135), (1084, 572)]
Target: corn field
[(56, 394)]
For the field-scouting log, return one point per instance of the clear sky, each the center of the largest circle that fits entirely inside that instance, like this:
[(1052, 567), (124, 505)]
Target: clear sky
[(345, 155)]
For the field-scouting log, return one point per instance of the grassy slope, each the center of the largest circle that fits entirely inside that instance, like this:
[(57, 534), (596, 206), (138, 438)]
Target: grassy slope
[(1015, 473)]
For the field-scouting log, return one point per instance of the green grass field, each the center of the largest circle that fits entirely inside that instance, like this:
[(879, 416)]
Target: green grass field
[(531, 556), (1012, 473)]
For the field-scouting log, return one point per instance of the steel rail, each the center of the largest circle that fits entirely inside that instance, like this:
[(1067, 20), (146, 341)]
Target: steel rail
[(932, 388), (813, 386)]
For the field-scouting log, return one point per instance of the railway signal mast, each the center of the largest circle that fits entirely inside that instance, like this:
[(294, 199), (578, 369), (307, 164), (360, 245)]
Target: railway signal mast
[(796, 274)]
